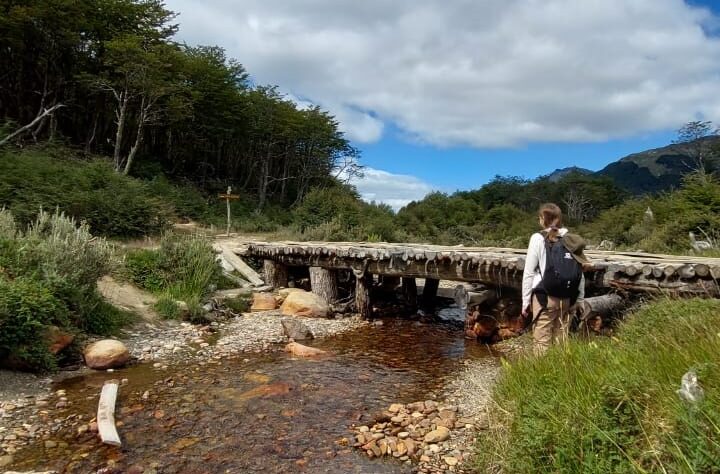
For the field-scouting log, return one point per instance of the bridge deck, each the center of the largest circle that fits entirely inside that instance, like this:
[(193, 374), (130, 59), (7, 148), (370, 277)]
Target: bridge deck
[(638, 272)]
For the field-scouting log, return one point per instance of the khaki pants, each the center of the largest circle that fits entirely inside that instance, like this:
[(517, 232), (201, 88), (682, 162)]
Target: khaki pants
[(552, 324)]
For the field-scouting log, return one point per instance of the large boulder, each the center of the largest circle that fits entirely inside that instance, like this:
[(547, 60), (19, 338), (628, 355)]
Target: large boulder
[(303, 303), (263, 302), (296, 330), (106, 354), (303, 351)]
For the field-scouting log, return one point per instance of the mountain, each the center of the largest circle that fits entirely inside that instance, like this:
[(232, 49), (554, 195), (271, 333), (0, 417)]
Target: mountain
[(560, 173), (660, 169)]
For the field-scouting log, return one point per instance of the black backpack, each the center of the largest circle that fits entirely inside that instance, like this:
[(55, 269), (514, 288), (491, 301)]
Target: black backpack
[(562, 275)]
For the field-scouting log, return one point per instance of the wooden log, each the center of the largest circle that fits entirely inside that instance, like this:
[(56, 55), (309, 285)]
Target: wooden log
[(106, 414), (430, 291), (702, 270), (409, 290), (323, 282), (276, 274), (686, 271), (362, 295), (239, 265), (658, 271), (242, 283), (604, 306)]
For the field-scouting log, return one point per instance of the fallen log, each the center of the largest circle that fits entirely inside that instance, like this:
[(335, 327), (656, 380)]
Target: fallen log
[(239, 265), (603, 306), (106, 414)]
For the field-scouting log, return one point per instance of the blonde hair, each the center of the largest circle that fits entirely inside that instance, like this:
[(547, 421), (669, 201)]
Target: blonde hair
[(551, 217)]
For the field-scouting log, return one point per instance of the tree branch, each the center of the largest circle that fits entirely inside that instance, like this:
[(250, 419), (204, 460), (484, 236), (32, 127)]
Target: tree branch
[(27, 127)]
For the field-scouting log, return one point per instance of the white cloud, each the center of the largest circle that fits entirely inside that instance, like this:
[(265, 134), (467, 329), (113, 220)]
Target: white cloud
[(495, 73), (395, 190)]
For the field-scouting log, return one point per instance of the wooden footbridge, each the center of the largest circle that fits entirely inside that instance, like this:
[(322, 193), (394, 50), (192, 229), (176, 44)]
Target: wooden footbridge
[(497, 267)]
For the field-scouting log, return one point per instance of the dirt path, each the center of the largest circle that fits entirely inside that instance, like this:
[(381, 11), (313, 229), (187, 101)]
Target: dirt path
[(128, 297)]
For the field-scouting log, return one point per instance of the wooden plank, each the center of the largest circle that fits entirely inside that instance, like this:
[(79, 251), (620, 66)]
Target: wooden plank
[(239, 265), (106, 414)]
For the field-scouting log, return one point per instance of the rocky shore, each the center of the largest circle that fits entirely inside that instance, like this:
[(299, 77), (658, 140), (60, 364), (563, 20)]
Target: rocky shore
[(435, 437)]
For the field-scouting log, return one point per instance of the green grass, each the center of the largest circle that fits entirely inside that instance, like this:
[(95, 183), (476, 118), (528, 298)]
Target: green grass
[(610, 406), (184, 268)]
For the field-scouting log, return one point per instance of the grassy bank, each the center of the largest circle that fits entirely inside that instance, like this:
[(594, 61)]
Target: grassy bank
[(611, 405)]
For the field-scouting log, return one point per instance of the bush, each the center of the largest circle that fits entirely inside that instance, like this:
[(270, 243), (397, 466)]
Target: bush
[(48, 277), (27, 308), (167, 307), (611, 405), (185, 267), (88, 190)]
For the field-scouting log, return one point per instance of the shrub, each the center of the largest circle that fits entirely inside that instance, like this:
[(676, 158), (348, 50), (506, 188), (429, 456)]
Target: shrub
[(239, 304), (49, 275), (167, 307), (611, 405), (27, 308), (185, 267), (143, 267), (88, 190)]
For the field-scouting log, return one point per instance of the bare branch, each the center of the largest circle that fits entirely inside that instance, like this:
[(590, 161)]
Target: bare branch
[(35, 121)]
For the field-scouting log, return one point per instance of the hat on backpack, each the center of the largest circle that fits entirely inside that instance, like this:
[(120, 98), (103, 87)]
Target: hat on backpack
[(576, 246)]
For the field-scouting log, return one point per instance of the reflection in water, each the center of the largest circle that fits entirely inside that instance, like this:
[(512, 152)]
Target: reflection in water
[(270, 413)]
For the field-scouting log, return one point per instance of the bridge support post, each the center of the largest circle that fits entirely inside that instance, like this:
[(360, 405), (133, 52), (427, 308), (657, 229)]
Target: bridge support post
[(430, 292), (323, 282), (276, 274), (409, 290), (362, 295)]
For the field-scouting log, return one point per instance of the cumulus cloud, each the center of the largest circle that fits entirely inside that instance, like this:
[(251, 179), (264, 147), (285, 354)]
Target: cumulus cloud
[(395, 190), (496, 73)]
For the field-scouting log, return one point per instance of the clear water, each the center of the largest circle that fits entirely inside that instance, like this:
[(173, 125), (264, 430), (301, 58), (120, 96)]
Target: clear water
[(269, 413)]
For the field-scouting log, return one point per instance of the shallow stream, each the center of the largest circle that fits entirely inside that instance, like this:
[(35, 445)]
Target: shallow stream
[(262, 413)]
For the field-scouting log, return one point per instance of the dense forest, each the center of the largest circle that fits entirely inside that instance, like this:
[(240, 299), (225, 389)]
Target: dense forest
[(107, 77), (105, 116)]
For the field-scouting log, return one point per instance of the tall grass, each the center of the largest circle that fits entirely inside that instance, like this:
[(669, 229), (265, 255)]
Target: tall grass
[(185, 268), (611, 405)]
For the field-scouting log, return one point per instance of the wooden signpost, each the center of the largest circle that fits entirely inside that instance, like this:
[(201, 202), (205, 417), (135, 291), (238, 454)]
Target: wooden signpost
[(228, 197)]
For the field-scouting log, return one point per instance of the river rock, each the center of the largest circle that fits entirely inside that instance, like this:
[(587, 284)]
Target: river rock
[(437, 435), (303, 351), (303, 303), (106, 354), (263, 302), (296, 330), (57, 339), (6, 460)]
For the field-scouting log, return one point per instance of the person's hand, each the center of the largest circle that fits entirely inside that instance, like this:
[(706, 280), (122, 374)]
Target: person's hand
[(524, 313)]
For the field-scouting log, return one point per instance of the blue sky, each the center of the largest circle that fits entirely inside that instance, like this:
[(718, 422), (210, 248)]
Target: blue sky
[(444, 95)]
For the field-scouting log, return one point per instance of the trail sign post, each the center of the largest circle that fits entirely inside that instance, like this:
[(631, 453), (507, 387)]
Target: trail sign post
[(228, 197)]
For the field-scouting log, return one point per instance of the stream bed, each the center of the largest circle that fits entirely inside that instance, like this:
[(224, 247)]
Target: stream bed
[(269, 413)]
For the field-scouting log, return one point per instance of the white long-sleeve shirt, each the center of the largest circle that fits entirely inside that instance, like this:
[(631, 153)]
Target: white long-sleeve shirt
[(534, 263)]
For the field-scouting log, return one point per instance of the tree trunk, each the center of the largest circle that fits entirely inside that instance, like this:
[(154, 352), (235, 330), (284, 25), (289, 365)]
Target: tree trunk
[(409, 289), (276, 274), (430, 292), (138, 138), (120, 115), (323, 283), (362, 295)]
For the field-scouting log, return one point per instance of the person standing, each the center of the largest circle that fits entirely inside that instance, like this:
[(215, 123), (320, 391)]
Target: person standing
[(553, 280)]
